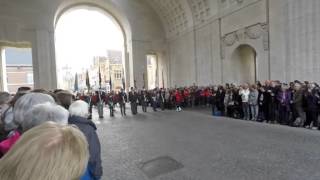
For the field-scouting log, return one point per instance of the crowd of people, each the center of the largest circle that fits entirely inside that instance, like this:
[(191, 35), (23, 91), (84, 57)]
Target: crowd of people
[(43, 133), (295, 104), (47, 135)]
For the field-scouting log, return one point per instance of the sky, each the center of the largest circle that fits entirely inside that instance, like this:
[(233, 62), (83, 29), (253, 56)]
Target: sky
[(82, 34), (18, 56)]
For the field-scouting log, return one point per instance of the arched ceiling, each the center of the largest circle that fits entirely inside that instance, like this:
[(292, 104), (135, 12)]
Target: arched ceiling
[(181, 15)]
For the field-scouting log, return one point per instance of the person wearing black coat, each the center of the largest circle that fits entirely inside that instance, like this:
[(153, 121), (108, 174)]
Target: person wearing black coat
[(78, 116), (134, 99), (312, 104), (122, 99)]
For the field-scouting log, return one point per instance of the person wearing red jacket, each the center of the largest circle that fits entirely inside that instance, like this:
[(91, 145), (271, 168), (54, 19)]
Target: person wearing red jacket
[(186, 95), (178, 97)]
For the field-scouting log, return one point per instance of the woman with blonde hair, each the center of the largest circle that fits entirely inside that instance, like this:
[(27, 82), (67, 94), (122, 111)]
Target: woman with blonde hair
[(49, 151)]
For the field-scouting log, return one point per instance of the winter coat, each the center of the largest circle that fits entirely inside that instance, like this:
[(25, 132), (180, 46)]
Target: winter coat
[(178, 97), (7, 144), (253, 97), (312, 102), (88, 128)]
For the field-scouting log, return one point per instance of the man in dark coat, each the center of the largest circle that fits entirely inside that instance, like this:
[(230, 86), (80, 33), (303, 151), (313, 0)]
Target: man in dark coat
[(122, 97), (144, 100), (133, 98), (78, 116)]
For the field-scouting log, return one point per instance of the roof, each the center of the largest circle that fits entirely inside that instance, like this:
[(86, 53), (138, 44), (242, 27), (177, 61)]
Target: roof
[(18, 56)]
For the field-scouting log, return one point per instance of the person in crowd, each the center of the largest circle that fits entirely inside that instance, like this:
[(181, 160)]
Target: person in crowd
[(111, 101), (253, 102), (5, 98), (133, 98), (229, 104), (244, 93), (65, 98), (49, 151), (79, 116), (186, 95), (144, 100), (262, 104), (161, 99), (284, 99), (220, 95), (298, 109), (25, 103), (13, 119), (312, 100), (178, 100), (42, 113), (155, 100), (122, 99)]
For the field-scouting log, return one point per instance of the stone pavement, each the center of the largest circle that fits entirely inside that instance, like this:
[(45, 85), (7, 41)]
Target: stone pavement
[(209, 148)]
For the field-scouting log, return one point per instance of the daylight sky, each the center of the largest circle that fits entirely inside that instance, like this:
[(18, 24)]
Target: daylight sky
[(81, 34)]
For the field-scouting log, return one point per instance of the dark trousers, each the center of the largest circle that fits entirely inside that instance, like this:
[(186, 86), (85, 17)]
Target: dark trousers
[(134, 109), (144, 106), (123, 109), (111, 111), (311, 116), (154, 105), (272, 112), (162, 105), (284, 114)]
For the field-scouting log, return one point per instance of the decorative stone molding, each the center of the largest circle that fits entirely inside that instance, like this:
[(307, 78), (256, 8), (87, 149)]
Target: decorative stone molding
[(265, 35), (229, 39), (256, 31)]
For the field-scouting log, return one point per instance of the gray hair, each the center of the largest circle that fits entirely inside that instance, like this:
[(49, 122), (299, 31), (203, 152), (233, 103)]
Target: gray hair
[(7, 118), (79, 108), (41, 113), (26, 102), (4, 97)]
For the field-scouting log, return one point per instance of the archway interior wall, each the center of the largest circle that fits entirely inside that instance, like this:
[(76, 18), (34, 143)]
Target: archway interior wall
[(262, 64), (33, 21), (243, 63), (198, 56)]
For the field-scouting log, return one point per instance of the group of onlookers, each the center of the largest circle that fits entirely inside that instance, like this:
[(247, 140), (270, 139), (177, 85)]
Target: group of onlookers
[(294, 104), (47, 135)]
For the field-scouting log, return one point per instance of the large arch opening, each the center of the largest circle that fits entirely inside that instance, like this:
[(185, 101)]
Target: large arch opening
[(90, 44), (244, 65)]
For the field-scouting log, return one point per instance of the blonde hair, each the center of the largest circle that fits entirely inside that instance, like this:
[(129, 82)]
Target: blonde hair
[(47, 152)]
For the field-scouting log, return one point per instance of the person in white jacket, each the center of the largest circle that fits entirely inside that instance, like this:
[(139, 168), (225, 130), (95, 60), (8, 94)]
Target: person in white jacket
[(244, 93)]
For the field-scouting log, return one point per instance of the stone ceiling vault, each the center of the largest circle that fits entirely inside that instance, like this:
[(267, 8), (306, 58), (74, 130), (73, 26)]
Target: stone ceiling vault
[(181, 15)]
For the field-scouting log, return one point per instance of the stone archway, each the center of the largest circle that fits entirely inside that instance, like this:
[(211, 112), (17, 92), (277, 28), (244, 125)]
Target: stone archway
[(117, 17), (243, 62)]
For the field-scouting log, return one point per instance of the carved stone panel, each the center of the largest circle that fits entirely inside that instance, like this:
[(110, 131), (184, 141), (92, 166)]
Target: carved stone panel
[(256, 31)]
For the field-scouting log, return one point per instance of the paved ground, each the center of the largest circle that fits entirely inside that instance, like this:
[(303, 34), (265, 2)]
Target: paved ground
[(210, 148)]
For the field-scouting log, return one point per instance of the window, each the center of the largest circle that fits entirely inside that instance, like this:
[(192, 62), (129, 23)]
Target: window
[(117, 74), (17, 69), (30, 78)]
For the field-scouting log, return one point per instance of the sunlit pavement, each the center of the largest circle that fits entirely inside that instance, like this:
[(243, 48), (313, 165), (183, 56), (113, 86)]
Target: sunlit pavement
[(209, 148)]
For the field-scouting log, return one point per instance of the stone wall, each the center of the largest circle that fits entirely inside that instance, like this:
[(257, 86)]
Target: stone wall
[(285, 34)]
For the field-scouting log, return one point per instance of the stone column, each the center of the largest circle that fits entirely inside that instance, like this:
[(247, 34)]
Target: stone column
[(3, 71), (44, 60)]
